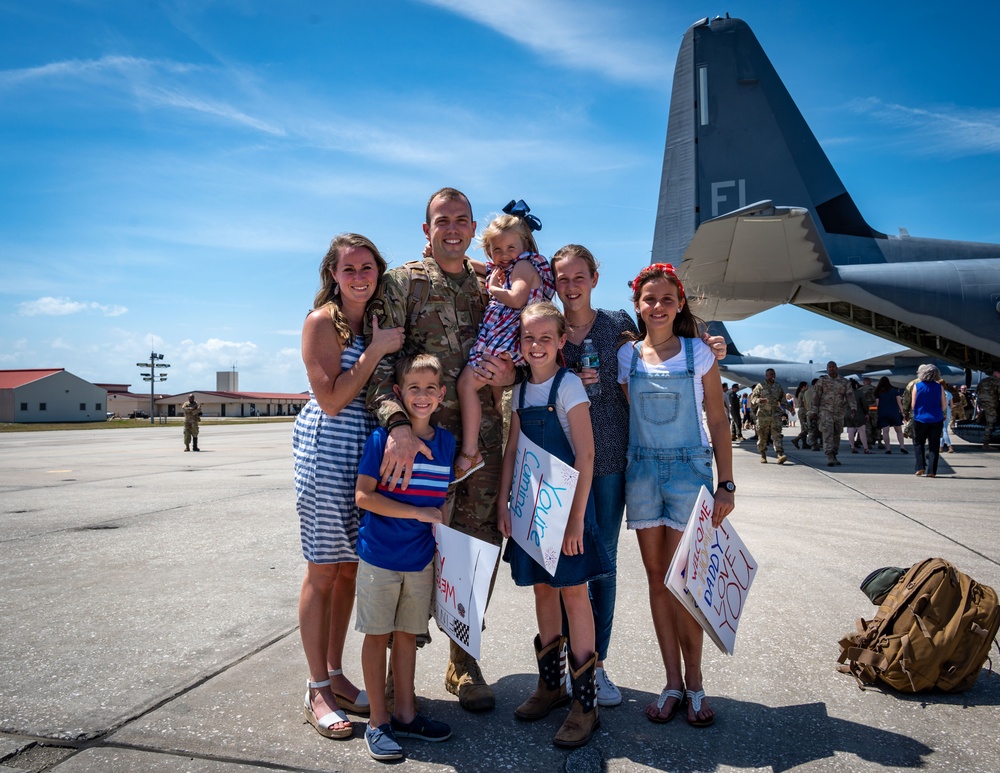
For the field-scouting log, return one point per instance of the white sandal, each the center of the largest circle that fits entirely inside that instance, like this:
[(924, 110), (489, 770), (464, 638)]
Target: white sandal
[(694, 699), (324, 723), (359, 705)]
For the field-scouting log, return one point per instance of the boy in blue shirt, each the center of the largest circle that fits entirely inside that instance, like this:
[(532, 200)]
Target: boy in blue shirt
[(395, 584)]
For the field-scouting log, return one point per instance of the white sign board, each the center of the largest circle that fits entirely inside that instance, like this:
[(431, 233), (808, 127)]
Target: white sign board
[(463, 566), (711, 574), (540, 500)]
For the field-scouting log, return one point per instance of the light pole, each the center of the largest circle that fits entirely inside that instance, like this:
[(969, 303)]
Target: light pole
[(153, 377)]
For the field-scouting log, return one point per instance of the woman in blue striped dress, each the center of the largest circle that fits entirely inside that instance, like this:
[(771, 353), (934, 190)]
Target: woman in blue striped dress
[(327, 441)]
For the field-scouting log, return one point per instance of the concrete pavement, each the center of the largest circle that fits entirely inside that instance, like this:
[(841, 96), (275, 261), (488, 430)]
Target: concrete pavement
[(148, 620)]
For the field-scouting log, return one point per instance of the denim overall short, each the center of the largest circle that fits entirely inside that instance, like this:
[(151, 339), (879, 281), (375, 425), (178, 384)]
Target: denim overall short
[(667, 463), (540, 424)]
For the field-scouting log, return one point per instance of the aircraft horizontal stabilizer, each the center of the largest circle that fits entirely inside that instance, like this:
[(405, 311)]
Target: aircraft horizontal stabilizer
[(752, 259)]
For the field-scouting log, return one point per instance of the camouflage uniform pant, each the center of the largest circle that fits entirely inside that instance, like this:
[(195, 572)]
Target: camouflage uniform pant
[(769, 425), (190, 431), (474, 500), (831, 427), (989, 424), (803, 424)]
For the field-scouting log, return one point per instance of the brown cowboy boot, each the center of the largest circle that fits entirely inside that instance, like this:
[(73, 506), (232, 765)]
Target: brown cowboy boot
[(583, 719), (464, 679), (551, 689)]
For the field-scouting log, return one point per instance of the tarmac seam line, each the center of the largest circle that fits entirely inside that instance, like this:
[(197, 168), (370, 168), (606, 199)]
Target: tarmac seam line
[(910, 518), (133, 516), (100, 740)]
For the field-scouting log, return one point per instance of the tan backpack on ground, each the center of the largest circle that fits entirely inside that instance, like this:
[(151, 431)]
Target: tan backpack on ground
[(935, 628)]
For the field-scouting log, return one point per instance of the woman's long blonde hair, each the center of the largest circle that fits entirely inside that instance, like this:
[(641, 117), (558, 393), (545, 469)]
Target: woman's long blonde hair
[(329, 293)]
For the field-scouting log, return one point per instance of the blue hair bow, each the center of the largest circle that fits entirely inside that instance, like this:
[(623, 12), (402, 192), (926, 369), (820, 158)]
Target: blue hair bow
[(520, 209)]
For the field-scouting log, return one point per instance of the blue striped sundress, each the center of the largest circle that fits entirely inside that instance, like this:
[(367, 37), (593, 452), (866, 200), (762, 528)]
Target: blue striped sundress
[(327, 450)]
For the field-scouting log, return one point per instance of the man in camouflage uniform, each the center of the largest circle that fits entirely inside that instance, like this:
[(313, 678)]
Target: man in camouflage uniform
[(832, 399), (192, 415), (987, 398), (735, 413), (445, 323), (868, 399), (767, 400), (959, 402)]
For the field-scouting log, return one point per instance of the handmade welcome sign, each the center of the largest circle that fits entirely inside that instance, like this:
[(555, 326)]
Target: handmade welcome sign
[(463, 566), (711, 574), (540, 500)]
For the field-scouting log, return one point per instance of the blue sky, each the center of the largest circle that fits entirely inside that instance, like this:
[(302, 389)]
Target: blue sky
[(172, 172)]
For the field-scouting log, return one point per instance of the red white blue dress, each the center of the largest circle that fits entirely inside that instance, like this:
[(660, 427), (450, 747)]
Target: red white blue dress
[(501, 327)]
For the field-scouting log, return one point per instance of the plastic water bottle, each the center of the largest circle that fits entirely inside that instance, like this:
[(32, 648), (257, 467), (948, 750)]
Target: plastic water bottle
[(590, 359)]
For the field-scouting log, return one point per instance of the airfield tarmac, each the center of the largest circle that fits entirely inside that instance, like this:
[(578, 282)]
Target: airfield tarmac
[(148, 611)]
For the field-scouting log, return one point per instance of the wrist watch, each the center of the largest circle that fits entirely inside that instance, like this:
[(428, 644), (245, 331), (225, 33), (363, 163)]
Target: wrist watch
[(728, 485)]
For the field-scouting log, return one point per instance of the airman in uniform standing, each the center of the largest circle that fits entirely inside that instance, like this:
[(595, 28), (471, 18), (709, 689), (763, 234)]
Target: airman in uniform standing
[(987, 398), (767, 399), (192, 415), (832, 399)]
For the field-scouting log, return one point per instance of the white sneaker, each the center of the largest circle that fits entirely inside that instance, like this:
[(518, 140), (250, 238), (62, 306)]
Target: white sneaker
[(607, 693)]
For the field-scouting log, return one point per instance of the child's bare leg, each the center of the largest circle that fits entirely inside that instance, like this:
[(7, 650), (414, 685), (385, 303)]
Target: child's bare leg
[(580, 615), (548, 613), (373, 667), (404, 666), (472, 416)]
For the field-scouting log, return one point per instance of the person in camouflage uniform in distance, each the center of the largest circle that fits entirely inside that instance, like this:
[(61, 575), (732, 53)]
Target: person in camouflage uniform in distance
[(767, 399), (959, 402), (987, 399), (192, 415), (867, 392), (832, 399), (445, 323)]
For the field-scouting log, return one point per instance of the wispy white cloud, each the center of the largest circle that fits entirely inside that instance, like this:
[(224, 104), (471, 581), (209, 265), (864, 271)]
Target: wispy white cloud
[(582, 36), (60, 307), (800, 351), (150, 83), (952, 130)]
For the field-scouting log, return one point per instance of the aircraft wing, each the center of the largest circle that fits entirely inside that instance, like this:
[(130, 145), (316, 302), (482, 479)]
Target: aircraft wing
[(752, 259)]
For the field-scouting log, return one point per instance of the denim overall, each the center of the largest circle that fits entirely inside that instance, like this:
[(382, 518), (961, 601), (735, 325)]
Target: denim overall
[(540, 425), (667, 463)]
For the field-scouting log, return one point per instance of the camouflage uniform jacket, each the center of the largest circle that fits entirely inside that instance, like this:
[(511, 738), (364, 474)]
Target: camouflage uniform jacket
[(446, 325), (906, 399), (192, 412), (768, 399), (832, 395), (988, 394)]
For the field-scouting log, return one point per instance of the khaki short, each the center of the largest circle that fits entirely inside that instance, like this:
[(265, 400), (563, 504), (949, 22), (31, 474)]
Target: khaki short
[(394, 601)]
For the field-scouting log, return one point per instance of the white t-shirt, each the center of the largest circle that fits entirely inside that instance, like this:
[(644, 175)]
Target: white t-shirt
[(571, 393), (703, 361)]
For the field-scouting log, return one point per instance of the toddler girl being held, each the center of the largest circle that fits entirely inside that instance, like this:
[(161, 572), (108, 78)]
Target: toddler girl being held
[(516, 277)]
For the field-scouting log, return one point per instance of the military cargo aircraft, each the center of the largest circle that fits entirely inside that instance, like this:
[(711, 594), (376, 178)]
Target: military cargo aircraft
[(748, 369), (754, 215)]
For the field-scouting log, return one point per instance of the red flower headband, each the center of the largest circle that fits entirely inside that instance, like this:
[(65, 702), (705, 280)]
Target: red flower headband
[(657, 268)]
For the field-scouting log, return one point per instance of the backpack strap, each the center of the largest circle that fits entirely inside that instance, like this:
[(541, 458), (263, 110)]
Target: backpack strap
[(420, 289)]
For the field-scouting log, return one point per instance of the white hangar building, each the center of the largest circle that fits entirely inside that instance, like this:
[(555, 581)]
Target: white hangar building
[(49, 395)]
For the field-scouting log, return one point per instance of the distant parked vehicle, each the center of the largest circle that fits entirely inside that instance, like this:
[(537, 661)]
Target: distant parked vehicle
[(111, 415), (138, 415)]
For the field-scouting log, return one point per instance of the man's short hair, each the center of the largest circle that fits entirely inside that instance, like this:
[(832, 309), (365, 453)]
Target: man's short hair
[(446, 194)]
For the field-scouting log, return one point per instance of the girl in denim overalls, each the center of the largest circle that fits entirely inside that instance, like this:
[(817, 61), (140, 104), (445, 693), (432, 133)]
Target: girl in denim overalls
[(667, 373), (554, 412)]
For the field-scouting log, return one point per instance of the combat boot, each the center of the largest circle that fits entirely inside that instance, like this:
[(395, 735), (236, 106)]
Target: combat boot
[(195, 441), (551, 690), (831, 460), (763, 458), (187, 447), (583, 718), (782, 459), (464, 679), (795, 442)]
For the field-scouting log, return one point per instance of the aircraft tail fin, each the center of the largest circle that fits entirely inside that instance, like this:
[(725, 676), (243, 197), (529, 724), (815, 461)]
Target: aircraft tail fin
[(717, 328), (734, 137)]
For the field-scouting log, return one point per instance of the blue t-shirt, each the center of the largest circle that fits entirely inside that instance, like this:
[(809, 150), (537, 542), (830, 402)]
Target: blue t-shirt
[(927, 407), (405, 544)]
